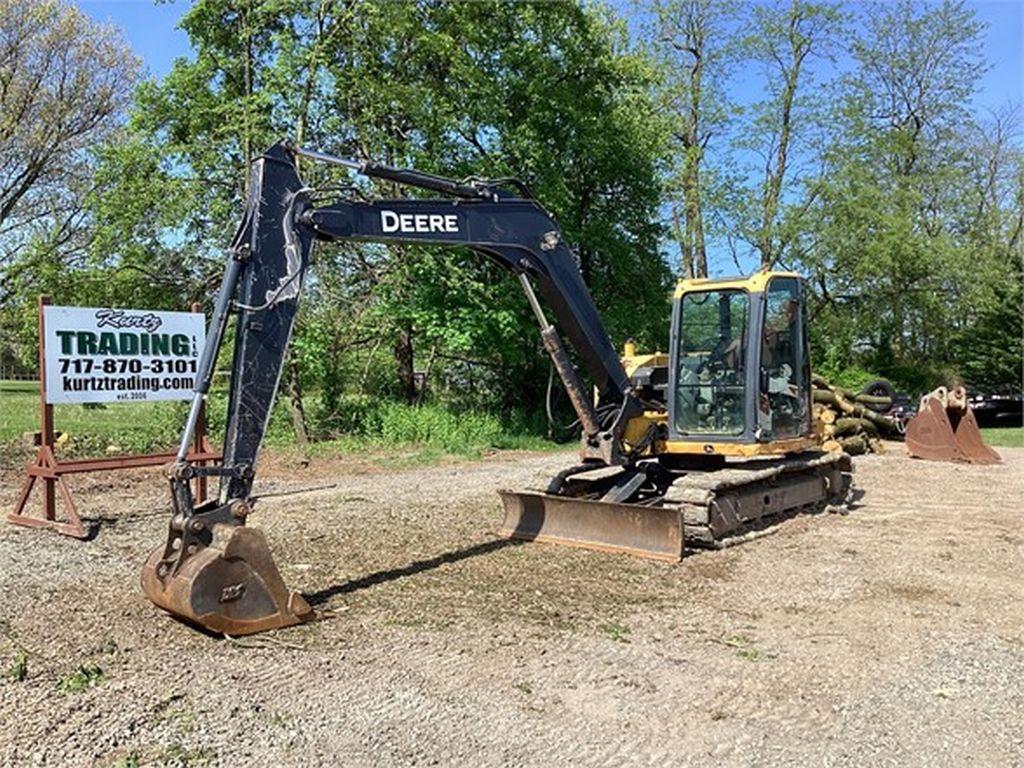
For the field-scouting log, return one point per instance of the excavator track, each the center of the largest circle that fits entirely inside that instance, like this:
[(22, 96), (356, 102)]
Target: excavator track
[(730, 505), (699, 509)]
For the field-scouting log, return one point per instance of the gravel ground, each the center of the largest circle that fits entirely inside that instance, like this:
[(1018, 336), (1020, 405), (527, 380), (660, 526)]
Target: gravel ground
[(893, 635)]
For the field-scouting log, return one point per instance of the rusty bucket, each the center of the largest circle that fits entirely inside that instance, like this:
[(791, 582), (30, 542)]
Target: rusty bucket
[(231, 586), (945, 429)]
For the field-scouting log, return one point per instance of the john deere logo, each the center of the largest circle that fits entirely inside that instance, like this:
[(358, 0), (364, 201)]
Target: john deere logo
[(418, 223)]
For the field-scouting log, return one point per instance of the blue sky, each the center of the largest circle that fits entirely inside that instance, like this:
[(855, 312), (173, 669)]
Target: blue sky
[(151, 30)]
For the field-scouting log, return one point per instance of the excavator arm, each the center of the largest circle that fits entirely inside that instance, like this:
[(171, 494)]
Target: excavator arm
[(212, 570)]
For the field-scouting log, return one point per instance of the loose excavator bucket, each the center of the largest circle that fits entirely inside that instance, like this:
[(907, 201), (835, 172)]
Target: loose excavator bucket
[(945, 429), (230, 586)]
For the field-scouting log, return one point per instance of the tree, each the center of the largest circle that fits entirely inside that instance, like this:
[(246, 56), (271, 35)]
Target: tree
[(782, 39), (988, 343), (549, 92), (912, 246), (693, 40), (64, 83)]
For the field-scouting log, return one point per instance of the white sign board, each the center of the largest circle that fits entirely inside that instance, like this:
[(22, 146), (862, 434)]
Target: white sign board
[(102, 355)]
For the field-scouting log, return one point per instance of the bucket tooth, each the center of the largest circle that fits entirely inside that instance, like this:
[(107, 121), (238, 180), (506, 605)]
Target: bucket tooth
[(230, 586)]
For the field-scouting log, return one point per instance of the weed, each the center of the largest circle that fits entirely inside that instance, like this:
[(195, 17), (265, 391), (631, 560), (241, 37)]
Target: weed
[(744, 647), (131, 760), (18, 670), (280, 721), (738, 641), (83, 678), (616, 632), (176, 756), (523, 687), (179, 718)]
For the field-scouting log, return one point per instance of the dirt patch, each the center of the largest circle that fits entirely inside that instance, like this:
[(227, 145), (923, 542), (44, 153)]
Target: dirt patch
[(892, 635)]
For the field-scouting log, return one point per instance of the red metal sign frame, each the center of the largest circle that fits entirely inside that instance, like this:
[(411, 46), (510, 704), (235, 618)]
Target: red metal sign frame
[(48, 469)]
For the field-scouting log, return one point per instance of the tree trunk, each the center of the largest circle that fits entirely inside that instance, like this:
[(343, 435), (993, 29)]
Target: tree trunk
[(694, 158), (685, 251), (404, 361), (585, 265), (694, 217), (775, 169), (295, 401)]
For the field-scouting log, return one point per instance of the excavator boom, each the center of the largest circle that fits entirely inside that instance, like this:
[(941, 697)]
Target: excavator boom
[(211, 570)]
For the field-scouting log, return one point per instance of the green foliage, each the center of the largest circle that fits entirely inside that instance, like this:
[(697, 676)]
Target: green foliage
[(18, 670), (85, 677), (116, 428), (901, 206), (148, 427), (64, 83), (619, 633), (432, 425), (913, 238), (551, 92)]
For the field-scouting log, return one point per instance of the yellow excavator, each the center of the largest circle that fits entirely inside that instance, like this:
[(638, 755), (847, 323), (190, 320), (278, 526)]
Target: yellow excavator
[(702, 446)]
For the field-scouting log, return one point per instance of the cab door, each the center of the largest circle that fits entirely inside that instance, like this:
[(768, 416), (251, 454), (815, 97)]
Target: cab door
[(784, 397)]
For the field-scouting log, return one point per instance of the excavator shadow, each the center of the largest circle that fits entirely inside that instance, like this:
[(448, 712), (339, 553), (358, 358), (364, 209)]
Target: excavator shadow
[(320, 597)]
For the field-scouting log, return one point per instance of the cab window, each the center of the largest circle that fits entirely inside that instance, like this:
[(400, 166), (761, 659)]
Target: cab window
[(711, 372), (782, 406)]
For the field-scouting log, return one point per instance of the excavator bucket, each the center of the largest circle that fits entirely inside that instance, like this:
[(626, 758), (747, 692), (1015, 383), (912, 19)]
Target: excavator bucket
[(945, 429), (231, 586), (970, 442)]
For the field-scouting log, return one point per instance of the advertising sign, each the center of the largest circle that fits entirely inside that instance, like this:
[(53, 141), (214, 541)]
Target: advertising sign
[(101, 355)]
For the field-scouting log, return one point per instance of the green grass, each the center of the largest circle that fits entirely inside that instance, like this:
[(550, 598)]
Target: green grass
[(83, 678), (615, 631), (744, 647), (18, 670), (94, 431), (1005, 437), (414, 435)]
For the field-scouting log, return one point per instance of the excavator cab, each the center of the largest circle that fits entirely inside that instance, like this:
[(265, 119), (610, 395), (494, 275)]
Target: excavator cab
[(739, 367)]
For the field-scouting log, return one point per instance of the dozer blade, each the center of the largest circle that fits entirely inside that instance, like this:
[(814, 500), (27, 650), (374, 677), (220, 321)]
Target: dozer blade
[(231, 586), (652, 532)]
